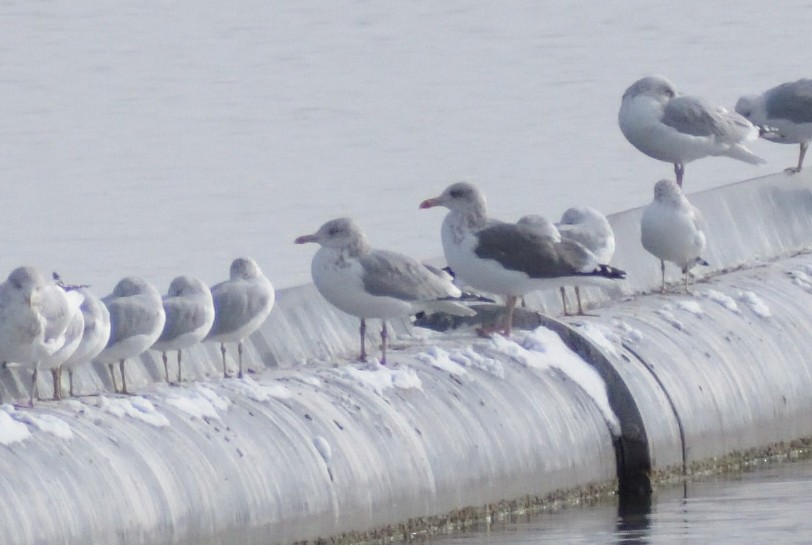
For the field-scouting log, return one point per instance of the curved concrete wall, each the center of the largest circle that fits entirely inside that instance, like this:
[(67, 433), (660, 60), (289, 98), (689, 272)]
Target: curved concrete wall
[(314, 445)]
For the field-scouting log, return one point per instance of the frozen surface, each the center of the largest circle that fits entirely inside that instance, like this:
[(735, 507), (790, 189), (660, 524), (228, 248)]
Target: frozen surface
[(159, 140)]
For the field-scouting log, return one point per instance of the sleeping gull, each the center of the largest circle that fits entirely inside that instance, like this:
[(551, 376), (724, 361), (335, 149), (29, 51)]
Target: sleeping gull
[(784, 115), (136, 320), (678, 129), (509, 259), (369, 283), (590, 228), (189, 312), (96, 333), (670, 230), (72, 333), (30, 325), (241, 305)]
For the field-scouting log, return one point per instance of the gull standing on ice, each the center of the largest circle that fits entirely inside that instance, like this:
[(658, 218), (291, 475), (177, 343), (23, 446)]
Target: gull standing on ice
[(189, 309), (784, 115), (678, 129), (509, 259), (670, 230), (590, 228), (31, 329), (369, 283), (136, 320), (96, 333), (241, 305)]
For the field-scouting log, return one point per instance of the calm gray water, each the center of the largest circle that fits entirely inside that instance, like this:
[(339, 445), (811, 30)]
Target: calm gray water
[(771, 504), (160, 139)]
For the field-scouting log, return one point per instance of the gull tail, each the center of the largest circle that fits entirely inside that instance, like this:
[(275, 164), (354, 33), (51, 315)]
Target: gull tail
[(737, 151), (448, 306), (607, 271)]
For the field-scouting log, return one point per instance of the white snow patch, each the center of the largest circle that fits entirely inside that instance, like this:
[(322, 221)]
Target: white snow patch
[(381, 378), (45, 422), (721, 299), (136, 407), (755, 303), (323, 447), (11, 431), (258, 391), (628, 333), (601, 336), (542, 348), (691, 306), (801, 279), (219, 402), (439, 358), (666, 314), (201, 402), (473, 359)]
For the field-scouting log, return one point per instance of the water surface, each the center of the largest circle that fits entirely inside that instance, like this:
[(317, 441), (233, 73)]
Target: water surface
[(768, 505), (167, 138)]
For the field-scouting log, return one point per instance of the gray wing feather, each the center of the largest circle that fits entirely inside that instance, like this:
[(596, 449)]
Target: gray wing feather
[(235, 303), (389, 274), (130, 316), (694, 116), (791, 101), (520, 248), (182, 316)]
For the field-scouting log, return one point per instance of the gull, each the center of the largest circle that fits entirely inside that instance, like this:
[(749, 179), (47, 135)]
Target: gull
[(241, 305), (678, 129), (96, 333), (587, 226), (189, 309), (784, 115), (136, 320), (670, 230), (370, 283), (33, 320), (509, 259), (54, 297)]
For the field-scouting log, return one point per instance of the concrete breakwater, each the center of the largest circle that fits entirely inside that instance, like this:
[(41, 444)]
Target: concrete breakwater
[(314, 445)]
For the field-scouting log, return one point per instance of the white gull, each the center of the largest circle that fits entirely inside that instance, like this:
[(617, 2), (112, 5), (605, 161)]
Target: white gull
[(670, 230), (241, 305), (678, 129), (784, 115), (33, 319), (370, 283), (54, 297), (189, 309), (96, 333), (136, 320), (509, 259), (590, 228)]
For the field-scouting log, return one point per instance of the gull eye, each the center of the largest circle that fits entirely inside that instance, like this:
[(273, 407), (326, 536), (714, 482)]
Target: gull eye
[(333, 231), (456, 193)]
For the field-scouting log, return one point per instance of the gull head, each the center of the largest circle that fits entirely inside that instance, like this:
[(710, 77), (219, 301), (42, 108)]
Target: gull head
[(131, 285), (655, 87), (27, 281), (244, 268), (667, 191), (186, 285), (752, 107), (542, 225), (458, 196), (339, 233)]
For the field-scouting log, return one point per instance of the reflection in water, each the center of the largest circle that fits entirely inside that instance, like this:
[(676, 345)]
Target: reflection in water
[(633, 519)]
